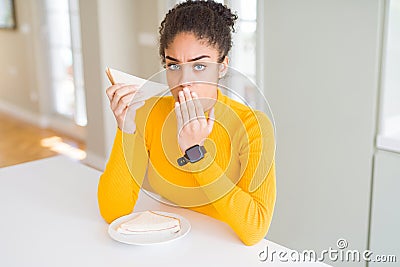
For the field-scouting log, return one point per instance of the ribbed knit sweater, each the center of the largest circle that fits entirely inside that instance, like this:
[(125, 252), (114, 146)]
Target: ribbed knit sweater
[(234, 182)]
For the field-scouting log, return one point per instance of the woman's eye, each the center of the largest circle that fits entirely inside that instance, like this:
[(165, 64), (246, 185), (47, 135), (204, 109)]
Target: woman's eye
[(199, 67), (173, 66)]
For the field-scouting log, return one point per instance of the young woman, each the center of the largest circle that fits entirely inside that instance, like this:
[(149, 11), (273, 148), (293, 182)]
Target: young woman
[(198, 148)]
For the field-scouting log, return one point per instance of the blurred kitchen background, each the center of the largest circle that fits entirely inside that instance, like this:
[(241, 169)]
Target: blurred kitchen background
[(330, 71)]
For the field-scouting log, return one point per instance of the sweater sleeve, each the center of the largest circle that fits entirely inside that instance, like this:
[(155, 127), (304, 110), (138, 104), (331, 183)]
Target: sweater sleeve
[(246, 209), (120, 183)]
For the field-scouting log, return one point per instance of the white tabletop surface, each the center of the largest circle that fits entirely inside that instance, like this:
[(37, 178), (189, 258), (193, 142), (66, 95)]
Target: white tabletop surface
[(50, 217)]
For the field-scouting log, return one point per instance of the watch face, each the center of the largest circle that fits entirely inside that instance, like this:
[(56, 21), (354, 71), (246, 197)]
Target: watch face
[(194, 153)]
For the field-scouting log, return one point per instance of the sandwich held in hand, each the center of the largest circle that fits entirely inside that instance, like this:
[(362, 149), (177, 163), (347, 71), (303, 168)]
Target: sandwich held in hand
[(147, 89), (149, 222)]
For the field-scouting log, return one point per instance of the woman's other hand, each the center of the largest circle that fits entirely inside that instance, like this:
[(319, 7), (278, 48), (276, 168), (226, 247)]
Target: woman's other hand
[(120, 96), (193, 127)]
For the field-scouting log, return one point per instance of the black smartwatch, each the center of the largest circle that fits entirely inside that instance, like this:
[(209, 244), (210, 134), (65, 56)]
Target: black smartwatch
[(192, 154)]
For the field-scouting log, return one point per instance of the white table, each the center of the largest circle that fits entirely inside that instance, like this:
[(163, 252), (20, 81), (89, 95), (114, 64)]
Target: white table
[(49, 217)]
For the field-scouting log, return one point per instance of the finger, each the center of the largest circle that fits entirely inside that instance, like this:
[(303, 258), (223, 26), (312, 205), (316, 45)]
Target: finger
[(210, 121), (179, 118), (120, 109), (124, 102), (111, 90), (189, 104), (122, 116), (199, 110), (120, 93), (127, 99), (197, 104), (183, 109)]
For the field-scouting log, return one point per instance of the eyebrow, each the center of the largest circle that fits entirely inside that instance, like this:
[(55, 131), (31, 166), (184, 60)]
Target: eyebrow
[(190, 60)]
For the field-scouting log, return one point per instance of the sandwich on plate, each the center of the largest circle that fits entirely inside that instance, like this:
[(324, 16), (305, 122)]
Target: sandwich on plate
[(150, 222)]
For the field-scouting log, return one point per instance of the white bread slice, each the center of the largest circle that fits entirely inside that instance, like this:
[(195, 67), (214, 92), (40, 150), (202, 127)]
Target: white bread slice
[(149, 222), (147, 89)]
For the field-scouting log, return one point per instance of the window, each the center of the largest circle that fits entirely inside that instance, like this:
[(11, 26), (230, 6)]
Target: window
[(243, 56), (66, 69), (389, 130)]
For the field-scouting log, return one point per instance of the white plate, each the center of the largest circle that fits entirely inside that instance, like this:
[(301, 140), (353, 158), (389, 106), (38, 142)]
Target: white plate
[(147, 239)]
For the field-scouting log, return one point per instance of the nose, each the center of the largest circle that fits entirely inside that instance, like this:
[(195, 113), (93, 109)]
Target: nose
[(186, 77)]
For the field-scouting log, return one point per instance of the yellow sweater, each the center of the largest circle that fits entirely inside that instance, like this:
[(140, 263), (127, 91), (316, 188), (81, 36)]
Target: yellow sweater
[(234, 182)]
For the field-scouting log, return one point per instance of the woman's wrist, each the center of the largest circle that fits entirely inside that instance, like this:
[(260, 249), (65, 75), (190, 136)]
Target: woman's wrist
[(125, 131)]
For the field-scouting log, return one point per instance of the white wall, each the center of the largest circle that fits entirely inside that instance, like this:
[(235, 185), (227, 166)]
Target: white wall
[(105, 42), (92, 68), (19, 88), (321, 76)]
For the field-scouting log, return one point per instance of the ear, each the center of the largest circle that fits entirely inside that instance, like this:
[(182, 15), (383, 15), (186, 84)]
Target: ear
[(223, 68)]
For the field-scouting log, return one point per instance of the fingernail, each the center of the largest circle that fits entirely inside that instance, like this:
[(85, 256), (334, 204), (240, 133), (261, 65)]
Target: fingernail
[(194, 94), (176, 104), (180, 93), (186, 90)]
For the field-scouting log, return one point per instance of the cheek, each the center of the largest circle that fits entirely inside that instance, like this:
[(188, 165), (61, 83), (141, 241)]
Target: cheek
[(175, 94), (172, 82), (204, 90), (207, 94)]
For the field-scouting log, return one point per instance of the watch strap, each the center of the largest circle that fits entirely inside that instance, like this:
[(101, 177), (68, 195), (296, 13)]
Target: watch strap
[(182, 161)]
